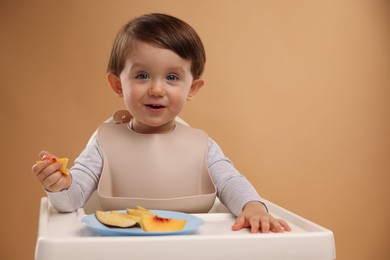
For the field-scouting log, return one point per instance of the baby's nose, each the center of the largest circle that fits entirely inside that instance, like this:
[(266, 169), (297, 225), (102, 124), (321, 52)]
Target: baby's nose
[(157, 89)]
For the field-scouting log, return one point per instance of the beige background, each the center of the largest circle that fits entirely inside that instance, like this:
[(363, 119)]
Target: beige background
[(297, 94)]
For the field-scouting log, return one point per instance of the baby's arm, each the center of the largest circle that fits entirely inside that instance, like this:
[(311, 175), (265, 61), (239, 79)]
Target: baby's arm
[(239, 195)]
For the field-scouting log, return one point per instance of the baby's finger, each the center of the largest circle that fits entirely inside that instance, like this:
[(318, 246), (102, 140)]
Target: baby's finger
[(276, 226), (284, 224), (50, 181), (39, 166), (57, 182), (51, 167), (255, 224), (46, 155), (265, 225), (239, 223)]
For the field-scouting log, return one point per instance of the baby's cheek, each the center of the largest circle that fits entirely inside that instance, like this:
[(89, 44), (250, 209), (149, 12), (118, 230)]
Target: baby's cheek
[(132, 99), (178, 106)]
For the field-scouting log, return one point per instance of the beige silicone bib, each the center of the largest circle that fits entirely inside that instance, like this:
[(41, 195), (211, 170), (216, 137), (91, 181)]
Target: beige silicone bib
[(155, 171)]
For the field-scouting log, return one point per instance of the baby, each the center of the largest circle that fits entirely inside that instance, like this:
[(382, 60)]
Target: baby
[(155, 65)]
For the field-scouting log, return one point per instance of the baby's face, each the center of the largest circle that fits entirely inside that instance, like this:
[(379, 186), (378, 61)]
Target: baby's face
[(155, 84)]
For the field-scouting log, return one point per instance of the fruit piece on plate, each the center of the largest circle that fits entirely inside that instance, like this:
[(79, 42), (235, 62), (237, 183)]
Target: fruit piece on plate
[(157, 223), (140, 212), (114, 219), (137, 219), (64, 162), (143, 209)]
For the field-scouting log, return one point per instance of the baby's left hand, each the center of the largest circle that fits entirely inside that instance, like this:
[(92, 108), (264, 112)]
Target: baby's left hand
[(256, 216)]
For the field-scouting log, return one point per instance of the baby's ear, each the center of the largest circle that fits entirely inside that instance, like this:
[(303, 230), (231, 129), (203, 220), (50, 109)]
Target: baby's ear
[(195, 87), (115, 83)]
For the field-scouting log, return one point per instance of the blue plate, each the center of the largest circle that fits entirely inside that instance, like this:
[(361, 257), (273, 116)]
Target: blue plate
[(192, 225)]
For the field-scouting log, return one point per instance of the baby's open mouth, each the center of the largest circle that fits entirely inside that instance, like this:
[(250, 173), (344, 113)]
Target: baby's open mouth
[(154, 106)]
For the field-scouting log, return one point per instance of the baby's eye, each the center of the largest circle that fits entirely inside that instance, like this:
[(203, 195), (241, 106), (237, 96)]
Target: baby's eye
[(172, 77), (142, 76)]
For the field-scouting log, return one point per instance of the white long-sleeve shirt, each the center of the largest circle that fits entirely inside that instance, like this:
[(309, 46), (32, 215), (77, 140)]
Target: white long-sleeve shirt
[(233, 189)]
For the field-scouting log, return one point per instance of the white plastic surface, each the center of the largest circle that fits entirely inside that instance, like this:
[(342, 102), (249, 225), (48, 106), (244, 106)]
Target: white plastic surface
[(61, 236)]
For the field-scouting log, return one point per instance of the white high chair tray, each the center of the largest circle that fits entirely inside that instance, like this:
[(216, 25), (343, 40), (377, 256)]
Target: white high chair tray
[(62, 236)]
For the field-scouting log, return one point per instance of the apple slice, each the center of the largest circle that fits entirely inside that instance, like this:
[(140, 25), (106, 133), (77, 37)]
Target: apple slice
[(125, 215), (115, 219), (139, 212), (142, 208)]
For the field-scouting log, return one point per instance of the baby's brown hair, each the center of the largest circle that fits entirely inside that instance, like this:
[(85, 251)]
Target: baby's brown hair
[(163, 31)]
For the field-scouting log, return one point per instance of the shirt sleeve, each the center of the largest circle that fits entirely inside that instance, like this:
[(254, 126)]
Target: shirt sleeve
[(233, 189)]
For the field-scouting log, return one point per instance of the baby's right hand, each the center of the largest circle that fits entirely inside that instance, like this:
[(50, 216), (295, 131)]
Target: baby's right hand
[(49, 175)]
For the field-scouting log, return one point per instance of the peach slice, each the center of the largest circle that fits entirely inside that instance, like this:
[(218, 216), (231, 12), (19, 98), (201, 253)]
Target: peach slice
[(64, 162), (117, 219), (139, 212), (157, 223)]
